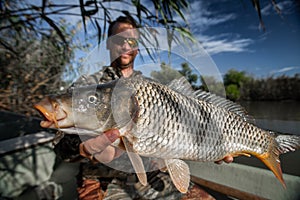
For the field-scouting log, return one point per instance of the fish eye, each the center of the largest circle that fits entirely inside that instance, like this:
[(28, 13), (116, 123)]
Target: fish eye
[(92, 99)]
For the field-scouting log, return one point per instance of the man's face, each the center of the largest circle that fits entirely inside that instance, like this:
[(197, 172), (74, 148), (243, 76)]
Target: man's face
[(123, 45)]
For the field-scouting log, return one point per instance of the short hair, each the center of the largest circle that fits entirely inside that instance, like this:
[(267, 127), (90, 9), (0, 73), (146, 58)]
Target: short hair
[(121, 19)]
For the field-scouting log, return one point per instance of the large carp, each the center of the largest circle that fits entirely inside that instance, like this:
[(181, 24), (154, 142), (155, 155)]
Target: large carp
[(166, 122)]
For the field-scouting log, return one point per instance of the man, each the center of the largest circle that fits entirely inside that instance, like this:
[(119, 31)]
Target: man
[(123, 49)]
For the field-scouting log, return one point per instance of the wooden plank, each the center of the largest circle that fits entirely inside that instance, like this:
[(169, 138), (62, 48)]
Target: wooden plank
[(225, 189)]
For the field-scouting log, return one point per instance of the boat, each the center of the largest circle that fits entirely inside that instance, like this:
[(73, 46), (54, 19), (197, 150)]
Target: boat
[(30, 170)]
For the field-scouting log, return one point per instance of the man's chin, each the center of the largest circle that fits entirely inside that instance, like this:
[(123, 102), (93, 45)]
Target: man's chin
[(124, 66), (125, 63)]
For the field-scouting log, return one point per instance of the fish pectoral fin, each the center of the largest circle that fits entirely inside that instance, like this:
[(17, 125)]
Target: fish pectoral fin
[(180, 174), (136, 161)]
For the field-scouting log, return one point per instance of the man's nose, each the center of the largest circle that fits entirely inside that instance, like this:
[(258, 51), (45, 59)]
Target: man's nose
[(126, 46)]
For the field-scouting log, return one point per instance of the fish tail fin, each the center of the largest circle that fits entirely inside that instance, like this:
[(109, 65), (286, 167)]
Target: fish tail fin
[(280, 144), (271, 160), (287, 143)]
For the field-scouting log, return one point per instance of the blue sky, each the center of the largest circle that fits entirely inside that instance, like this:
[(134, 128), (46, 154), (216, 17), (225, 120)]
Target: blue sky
[(230, 32)]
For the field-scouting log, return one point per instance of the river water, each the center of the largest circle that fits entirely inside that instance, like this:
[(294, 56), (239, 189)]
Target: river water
[(283, 117), (280, 116)]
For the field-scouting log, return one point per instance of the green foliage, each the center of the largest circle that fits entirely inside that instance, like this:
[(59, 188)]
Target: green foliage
[(31, 63), (234, 81), (166, 74), (272, 88), (188, 73), (236, 78), (210, 84), (240, 86), (233, 92), (28, 76)]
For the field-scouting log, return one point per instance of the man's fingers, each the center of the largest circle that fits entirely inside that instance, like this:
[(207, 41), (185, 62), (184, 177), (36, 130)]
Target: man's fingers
[(112, 134), (227, 159), (106, 155), (99, 143)]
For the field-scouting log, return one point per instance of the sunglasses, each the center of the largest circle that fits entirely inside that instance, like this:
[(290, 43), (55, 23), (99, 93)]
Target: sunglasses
[(119, 40)]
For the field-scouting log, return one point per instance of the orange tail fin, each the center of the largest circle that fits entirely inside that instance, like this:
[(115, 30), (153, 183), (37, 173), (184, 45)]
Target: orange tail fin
[(281, 144), (271, 160)]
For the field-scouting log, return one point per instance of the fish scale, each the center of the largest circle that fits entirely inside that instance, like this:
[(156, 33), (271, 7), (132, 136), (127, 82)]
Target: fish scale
[(168, 120)]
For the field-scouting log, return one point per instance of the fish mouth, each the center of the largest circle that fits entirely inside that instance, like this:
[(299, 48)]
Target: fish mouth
[(52, 113), (48, 121)]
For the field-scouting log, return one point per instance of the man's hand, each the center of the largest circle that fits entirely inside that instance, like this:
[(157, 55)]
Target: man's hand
[(227, 159), (100, 149)]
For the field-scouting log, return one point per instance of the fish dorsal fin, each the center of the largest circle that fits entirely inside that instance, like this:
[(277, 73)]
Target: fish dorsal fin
[(181, 85), (136, 162), (180, 174), (223, 103)]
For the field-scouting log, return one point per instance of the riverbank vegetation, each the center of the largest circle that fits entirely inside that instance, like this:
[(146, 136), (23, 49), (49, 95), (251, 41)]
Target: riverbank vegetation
[(244, 87)]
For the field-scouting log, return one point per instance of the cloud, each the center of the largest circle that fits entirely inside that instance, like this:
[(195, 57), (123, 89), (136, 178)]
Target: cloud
[(266, 10), (202, 19), (285, 69), (215, 45)]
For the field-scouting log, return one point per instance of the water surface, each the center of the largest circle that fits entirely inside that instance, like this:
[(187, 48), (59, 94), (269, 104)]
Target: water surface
[(284, 117)]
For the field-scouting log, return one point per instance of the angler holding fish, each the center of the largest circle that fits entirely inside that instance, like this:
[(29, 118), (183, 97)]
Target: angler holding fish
[(99, 148)]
